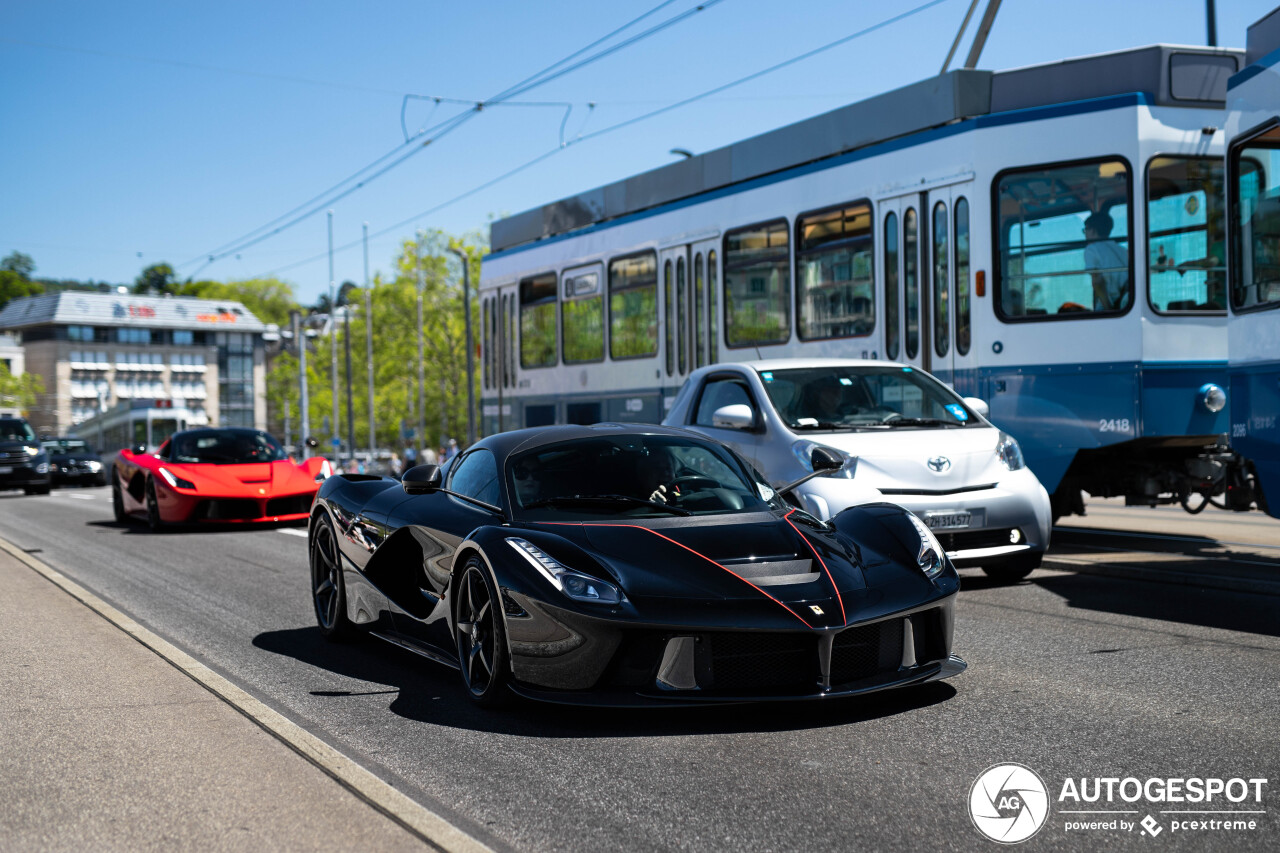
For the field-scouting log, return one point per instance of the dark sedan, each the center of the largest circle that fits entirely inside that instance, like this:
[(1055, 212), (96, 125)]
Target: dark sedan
[(73, 462), (24, 464), (630, 565)]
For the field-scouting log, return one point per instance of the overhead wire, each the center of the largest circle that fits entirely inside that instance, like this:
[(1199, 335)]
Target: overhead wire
[(550, 72), (610, 129)]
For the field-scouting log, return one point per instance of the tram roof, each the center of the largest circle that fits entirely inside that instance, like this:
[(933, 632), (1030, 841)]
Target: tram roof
[(1263, 38), (1168, 75)]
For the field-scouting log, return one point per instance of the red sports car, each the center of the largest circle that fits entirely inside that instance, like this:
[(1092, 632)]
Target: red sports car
[(215, 476)]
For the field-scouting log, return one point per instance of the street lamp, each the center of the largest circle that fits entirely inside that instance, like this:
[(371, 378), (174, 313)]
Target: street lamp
[(471, 367)]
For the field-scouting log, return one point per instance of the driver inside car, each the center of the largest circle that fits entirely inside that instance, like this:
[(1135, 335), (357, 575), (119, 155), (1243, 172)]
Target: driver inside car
[(657, 471)]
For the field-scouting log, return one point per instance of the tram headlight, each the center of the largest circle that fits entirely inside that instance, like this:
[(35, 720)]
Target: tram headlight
[(1009, 452), (1212, 397)]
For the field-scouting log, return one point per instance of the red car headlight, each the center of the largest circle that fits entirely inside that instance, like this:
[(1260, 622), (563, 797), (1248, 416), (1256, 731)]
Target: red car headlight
[(176, 481)]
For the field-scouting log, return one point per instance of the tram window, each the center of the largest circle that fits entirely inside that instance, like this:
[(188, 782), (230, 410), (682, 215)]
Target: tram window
[(582, 318), (1255, 222), (633, 306), (963, 331), (484, 342), (682, 322), (941, 282), (911, 281), (757, 285), (891, 285), (713, 329), (835, 281), (538, 321), (668, 297), (1186, 235), (699, 298), (1063, 240)]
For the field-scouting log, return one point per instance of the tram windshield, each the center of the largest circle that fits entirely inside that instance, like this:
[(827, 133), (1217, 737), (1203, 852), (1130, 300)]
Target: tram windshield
[(862, 397)]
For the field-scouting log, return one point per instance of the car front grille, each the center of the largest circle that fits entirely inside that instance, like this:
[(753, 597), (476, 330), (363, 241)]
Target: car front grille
[(290, 505), (225, 509), (764, 661), (14, 456)]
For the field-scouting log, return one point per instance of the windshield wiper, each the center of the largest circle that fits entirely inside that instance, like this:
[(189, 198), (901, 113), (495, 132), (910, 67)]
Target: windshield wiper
[(897, 422), (826, 425), (605, 499)]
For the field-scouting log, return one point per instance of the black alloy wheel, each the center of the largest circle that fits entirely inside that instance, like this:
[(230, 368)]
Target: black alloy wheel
[(153, 508), (117, 503), (481, 638), (327, 593)]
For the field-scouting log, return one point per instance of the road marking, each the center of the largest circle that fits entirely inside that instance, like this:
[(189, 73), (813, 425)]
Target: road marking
[(413, 816), (78, 497), (292, 531)]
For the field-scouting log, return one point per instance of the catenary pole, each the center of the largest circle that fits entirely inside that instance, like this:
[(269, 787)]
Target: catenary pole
[(368, 330), (333, 339)]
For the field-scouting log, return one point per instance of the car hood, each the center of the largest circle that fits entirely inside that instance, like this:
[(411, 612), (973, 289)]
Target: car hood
[(907, 459), (248, 479), (732, 558)]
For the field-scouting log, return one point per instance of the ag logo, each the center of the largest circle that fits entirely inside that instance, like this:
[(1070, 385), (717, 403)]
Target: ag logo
[(938, 464), (1008, 803)]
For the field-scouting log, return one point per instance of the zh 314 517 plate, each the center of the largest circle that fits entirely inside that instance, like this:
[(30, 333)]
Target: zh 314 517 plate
[(954, 520)]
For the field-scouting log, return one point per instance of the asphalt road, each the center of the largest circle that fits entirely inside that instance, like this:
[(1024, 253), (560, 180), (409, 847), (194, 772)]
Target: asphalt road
[(1072, 675)]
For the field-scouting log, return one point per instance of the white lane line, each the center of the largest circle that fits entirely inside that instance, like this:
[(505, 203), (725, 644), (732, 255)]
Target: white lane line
[(292, 531), (415, 817), (78, 497)]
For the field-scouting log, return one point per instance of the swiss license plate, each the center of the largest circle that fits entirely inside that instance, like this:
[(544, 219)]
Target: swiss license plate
[(948, 520)]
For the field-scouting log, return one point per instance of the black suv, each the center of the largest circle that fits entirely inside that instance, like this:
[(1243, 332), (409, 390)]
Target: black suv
[(73, 461), (24, 464)]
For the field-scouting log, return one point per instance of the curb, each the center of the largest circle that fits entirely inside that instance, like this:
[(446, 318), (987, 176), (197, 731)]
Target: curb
[(432, 828), (1230, 583)]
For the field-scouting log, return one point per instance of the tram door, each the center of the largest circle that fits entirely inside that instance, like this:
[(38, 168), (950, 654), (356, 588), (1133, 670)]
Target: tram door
[(946, 282), (504, 318), (704, 299), (677, 350), (902, 256)]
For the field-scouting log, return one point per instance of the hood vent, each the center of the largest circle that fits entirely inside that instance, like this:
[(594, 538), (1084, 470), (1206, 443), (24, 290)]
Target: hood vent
[(775, 572)]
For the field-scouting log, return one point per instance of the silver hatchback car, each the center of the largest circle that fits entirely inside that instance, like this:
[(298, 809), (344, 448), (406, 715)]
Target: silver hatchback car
[(905, 437)]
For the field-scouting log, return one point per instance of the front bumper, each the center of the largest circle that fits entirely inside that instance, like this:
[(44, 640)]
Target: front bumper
[(20, 476), (196, 508)]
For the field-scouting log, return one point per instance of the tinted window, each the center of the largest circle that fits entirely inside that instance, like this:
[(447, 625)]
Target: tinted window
[(835, 282), (1255, 221), (1186, 234), (941, 283), (476, 476), (15, 429), (962, 276), (1063, 240), (757, 285), (219, 446), (717, 393), (911, 280)]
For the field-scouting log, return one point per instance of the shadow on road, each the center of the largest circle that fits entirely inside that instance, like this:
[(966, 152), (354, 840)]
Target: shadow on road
[(131, 528), (430, 693)]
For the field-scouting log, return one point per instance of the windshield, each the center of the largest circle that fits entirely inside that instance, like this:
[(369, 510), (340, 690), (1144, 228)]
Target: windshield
[(635, 476), (862, 397), (224, 447), (67, 445), (15, 429)]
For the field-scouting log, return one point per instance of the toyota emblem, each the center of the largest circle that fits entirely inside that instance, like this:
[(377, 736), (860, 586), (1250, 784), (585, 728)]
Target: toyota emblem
[(938, 464)]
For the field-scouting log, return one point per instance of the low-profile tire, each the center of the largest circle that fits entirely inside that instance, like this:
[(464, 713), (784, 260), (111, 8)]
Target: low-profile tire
[(154, 521), (481, 637), (117, 504), (1013, 569), (328, 594)]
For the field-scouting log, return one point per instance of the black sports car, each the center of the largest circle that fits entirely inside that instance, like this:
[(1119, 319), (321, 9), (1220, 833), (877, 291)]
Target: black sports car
[(630, 565), (72, 460)]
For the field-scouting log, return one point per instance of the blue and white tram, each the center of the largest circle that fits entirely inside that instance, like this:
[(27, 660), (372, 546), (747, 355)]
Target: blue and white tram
[(1042, 238), (1253, 167)]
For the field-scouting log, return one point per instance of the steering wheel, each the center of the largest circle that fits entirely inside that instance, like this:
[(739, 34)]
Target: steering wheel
[(695, 482)]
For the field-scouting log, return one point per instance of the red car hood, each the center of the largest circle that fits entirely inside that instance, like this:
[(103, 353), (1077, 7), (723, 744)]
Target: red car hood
[(257, 478)]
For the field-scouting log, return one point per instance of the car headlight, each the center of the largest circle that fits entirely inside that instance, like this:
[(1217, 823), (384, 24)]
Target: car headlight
[(577, 586), (94, 465), (803, 450), (33, 451), (931, 557), (176, 481), (42, 468), (1009, 452)]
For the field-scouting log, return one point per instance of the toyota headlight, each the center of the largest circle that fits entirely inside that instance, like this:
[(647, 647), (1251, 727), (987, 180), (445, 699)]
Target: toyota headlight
[(1009, 452), (930, 558), (176, 481), (577, 586), (803, 450)]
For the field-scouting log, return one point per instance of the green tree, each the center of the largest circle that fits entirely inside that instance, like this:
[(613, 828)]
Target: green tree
[(270, 299), (19, 391), (14, 285), (17, 262), (157, 278)]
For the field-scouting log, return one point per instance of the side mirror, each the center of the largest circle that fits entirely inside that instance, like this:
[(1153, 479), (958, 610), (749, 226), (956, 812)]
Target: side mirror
[(421, 479), (978, 405), (138, 449), (311, 442), (736, 416), (824, 460)]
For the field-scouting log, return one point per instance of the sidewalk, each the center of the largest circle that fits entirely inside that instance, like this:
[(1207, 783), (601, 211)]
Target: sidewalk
[(105, 745)]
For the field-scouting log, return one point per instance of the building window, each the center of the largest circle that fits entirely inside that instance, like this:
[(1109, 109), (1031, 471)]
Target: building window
[(184, 337)]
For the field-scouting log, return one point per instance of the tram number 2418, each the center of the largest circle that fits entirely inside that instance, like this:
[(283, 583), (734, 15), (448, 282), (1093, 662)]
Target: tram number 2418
[(1114, 425)]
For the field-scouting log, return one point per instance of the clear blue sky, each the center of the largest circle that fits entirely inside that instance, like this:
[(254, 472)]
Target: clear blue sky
[(140, 132)]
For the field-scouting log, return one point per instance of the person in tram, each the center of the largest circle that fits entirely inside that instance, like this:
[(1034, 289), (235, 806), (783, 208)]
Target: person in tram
[(1107, 263)]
